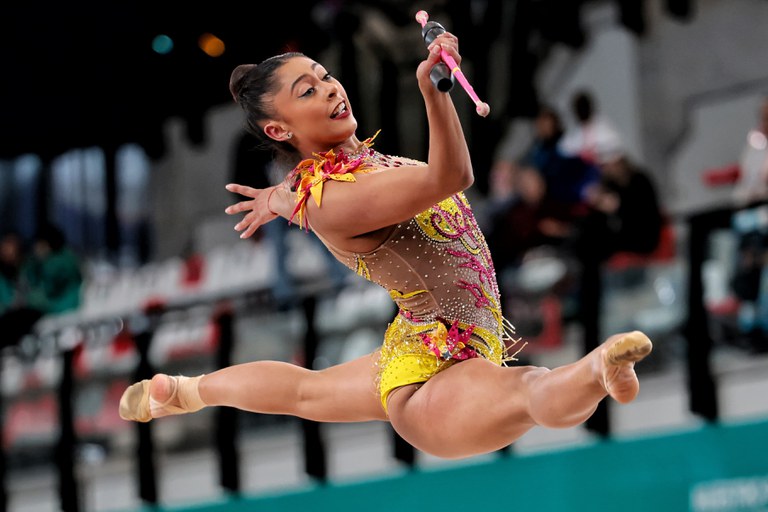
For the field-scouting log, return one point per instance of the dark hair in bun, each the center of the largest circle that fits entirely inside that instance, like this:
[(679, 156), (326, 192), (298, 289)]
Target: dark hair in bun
[(251, 86)]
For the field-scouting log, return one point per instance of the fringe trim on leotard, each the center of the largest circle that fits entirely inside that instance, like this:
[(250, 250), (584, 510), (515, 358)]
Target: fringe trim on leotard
[(510, 341)]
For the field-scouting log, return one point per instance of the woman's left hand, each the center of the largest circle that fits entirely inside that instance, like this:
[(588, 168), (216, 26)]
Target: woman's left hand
[(257, 208)]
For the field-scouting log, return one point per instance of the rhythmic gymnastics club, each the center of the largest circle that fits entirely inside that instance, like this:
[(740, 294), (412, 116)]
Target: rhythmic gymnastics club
[(429, 31)]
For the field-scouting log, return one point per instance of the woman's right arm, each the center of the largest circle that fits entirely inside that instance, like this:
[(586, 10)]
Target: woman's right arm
[(448, 158), (379, 200)]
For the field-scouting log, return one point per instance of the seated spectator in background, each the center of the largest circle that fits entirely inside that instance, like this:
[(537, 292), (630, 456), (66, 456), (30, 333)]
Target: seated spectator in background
[(750, 278), (514, 215), (565, 176), (17, 317), (525, 238), (753, 163), (501, 189), (750, 285), (47, 281), (10, 264), (593, 134), (52, 275), (624, 215)]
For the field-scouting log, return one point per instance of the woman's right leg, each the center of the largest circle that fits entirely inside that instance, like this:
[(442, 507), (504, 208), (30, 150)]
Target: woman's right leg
[(342, 393), (476, 407)]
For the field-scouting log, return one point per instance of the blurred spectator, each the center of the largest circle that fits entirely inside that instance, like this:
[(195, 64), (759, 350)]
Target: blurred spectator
[(566, 177), (593, 133), (514, 213), (750, 284), (52, 276), (750, 280), (46, 281), (15, 318), (535, 202), (624, 215), (10, 264), (524, 240), (753, 164)]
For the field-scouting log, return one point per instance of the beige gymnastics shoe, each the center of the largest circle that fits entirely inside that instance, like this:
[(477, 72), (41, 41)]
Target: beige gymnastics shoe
[(618, 357), (182, 396)]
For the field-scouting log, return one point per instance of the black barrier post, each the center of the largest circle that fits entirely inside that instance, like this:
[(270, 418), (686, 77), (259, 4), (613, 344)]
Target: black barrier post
[(226, 417), (590, 297), (404, 452), (701, 385), (314, 449), (65, 448), (146, 467)]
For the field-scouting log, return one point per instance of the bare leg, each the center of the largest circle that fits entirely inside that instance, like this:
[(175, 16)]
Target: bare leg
[(342, 393), (481, 407)]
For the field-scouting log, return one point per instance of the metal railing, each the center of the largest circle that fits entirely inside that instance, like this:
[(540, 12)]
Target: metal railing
[(701, 383)]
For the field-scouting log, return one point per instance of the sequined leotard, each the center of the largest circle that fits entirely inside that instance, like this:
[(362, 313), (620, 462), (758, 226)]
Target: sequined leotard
[(438, 270)]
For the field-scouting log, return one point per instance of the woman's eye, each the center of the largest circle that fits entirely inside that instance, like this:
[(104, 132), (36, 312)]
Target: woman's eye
[(327, 76), (309, 92)]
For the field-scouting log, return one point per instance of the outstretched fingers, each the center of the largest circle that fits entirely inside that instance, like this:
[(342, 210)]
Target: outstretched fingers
[(242, 189), (242, 206), (250, 224), (257, 209)]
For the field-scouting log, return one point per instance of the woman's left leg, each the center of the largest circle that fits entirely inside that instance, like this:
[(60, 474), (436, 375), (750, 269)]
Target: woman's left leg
[(342, 393), (477, 407)]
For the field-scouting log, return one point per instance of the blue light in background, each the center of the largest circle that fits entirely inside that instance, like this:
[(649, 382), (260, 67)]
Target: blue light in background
[(162, 44)]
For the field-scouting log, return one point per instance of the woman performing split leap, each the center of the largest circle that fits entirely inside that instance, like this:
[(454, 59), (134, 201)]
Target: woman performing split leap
[(441, 375)]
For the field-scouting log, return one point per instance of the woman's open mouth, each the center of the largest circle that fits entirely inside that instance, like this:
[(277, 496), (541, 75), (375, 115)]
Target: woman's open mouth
[(341, 111)]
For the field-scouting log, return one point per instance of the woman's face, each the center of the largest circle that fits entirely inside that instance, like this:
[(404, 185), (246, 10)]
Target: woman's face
[(312, 106), (10, 250)]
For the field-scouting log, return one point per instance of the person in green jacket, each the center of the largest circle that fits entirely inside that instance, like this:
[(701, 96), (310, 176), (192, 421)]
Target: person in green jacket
[(48, 281), (52, 274)]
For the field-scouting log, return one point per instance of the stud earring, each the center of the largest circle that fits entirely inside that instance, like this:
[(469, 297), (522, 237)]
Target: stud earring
[(289, 135)]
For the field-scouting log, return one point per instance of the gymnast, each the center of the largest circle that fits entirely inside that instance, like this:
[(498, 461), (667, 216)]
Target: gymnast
[(444, 376)]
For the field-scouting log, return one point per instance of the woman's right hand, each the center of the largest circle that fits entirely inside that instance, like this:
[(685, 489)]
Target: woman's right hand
[(445, 41)]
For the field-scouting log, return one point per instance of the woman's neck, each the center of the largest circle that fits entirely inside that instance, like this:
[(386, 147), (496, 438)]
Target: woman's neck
[(350, 146)]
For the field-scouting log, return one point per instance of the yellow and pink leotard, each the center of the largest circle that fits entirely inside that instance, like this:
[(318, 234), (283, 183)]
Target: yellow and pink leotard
[(436, 267)]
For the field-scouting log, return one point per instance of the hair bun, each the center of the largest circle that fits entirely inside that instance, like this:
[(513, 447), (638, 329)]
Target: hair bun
[(236, 79)]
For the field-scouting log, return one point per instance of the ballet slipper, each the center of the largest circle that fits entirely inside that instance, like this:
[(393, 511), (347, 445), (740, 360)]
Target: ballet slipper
[(134, 404), (137, 404), (618, 365), (184, 398)]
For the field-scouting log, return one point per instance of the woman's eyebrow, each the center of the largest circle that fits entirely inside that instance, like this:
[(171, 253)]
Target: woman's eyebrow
[(303, 76)]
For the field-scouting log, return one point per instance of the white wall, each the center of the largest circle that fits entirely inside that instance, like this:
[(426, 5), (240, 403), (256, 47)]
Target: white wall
[(716, 136), (719, 56), (188, 184)]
